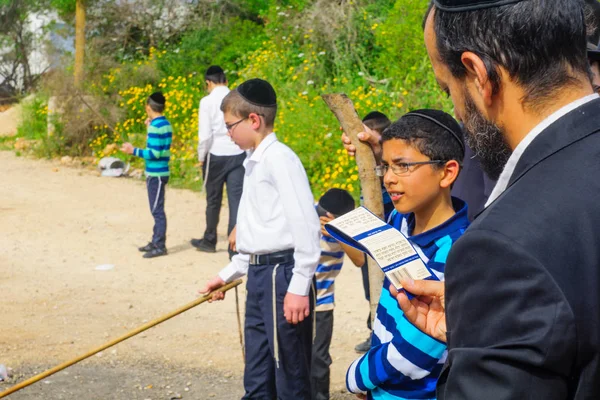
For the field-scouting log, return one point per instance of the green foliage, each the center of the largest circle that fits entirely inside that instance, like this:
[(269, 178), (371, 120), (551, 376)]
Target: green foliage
[(371, 50)]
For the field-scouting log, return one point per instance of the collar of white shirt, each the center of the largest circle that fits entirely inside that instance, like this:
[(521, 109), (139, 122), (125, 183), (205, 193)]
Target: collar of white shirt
[(510, 166), (258, 153), (217, 89)]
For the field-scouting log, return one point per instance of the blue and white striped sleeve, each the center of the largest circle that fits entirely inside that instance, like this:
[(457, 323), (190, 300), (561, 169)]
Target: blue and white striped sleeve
[(410, 356)]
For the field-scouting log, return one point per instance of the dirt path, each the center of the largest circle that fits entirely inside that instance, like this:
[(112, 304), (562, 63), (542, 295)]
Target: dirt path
[(57, 225)]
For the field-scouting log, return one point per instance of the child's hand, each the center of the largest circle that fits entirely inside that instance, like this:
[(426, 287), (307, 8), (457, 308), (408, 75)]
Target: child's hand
[(370, 137), (295, 308), (326, 220), (212, 285), (232, 238), (127, 148), (147, 121)]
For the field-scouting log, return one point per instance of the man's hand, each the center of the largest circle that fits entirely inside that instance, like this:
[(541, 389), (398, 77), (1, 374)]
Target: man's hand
[(232, 238), (212, 285), (370, 137), (127, 148), (426, 310), (295, 308), (325, 220)]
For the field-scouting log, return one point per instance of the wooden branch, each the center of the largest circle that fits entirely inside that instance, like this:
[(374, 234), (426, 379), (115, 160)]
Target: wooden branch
[(343, 109)]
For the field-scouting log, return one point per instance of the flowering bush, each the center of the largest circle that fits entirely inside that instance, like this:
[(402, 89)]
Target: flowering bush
[(371, 50)]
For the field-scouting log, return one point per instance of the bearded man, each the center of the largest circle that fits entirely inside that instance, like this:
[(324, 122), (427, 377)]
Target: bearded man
[(523, 283)]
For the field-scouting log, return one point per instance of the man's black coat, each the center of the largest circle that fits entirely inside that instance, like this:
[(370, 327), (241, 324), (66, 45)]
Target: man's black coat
[(523, 283)]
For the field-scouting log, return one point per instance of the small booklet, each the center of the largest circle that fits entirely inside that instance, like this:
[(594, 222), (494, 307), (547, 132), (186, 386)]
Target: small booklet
[(390, 249)]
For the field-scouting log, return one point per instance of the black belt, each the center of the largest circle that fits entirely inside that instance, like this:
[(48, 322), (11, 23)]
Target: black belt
[(279, 257)]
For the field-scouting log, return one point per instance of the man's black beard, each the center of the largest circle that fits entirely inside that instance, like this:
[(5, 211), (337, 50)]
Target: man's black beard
[(486, 140)]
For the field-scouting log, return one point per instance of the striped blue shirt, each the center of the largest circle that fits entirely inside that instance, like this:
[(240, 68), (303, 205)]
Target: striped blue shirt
[(330, 265), (158, 147), (403, 362)]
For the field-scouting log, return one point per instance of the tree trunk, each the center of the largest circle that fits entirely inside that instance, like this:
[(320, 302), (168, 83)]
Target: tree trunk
[(344, 111), (79, 41)]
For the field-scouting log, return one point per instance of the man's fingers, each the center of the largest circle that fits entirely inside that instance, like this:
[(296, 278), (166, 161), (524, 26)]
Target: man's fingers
[(407, 307), (424, 288), (295, 317)]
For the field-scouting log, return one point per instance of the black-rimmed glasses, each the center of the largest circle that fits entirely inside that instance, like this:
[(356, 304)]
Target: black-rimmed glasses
[(401, 169), (231, 126)]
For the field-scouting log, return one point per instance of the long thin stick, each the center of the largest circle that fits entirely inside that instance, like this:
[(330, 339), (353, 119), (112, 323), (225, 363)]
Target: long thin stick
[(134, 332), (343, 109)]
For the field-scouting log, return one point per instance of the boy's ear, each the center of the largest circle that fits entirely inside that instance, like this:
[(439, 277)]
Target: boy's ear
[(255, 120), (451, 170)]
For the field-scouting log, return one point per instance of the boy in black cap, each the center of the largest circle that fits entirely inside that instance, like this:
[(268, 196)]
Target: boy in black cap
[(220, 158), (278, 244), (334, 203), (156, 156)]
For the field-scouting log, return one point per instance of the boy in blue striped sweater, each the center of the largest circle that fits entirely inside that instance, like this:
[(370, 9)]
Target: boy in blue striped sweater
[(422, 152), (156, 156), (334, 203)]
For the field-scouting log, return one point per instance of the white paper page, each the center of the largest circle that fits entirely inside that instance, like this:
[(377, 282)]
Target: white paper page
[(356, 222), (388, 246)]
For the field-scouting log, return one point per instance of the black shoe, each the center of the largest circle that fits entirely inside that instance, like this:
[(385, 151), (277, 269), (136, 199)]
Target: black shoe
[(203, 245), (146, 248), (156, 252), (196, 242), (364, 346)]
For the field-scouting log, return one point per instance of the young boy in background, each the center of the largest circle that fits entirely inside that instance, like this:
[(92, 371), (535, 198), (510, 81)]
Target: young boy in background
[(156, 156), (334, 203), (278, 244), (421, 160)]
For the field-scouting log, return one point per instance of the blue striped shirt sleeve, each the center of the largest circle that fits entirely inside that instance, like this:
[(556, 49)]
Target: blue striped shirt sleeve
[(410, 356)]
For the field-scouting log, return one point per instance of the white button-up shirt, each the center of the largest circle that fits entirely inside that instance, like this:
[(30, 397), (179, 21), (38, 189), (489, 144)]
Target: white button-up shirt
[(511, 164), (212, 133), (276, 213)]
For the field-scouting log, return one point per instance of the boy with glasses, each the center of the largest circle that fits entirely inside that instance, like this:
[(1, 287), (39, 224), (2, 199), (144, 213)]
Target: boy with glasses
[(421, 159), (277, 239)]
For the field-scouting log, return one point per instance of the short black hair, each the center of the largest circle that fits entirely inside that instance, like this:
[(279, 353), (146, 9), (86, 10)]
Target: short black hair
[(376, 121), (157, 102), (215, 74), (540, 43), (428, 137)]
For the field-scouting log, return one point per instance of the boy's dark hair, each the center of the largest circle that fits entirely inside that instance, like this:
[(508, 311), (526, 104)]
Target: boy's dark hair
[(157, 102), (337, 202), (540, 43), (376, 121), (215, 74), (256, 92), (433, 133)]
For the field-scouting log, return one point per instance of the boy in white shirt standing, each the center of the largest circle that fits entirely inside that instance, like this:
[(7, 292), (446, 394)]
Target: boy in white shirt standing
[(221, 160), (278, 243)]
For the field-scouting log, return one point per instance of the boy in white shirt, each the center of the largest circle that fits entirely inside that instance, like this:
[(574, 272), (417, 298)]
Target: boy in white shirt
[(221, 160), (278, 234)]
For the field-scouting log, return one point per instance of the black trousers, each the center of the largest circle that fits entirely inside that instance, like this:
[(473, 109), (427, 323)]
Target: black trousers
[(156, 197), (263, 378), (222, 170), (321, 359)]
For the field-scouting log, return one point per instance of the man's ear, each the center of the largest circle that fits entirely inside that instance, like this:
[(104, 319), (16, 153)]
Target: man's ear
[(451, 170), (478, 74)]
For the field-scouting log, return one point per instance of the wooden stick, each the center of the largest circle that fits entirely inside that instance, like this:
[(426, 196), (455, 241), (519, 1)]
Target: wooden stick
[(134, 332), (343, 109)]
